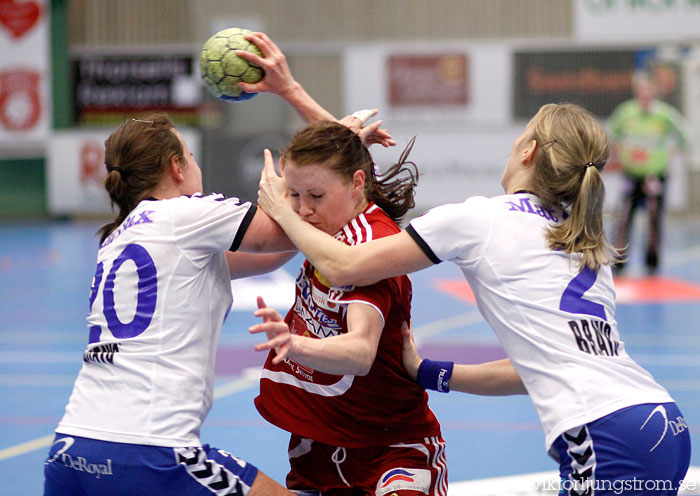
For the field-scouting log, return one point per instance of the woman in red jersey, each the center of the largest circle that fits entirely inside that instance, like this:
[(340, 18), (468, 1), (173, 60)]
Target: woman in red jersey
[(359, 423), (334, 379)]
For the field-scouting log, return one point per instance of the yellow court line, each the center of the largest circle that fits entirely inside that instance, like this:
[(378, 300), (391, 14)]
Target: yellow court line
[(250, 379), (44, 442), (28, 447)]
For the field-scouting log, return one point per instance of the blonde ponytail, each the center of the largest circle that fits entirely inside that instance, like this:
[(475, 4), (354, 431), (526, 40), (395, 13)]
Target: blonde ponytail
[(568, 174)]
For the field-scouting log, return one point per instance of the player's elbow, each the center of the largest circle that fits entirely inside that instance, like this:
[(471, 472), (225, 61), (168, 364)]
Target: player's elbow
[(347, 274), (364, 361)]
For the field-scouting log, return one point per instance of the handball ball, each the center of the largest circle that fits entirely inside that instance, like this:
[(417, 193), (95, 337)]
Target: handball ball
[(222, 69)]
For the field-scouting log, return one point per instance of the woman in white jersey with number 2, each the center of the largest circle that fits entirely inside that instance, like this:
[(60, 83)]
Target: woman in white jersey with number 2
[(540, 267)]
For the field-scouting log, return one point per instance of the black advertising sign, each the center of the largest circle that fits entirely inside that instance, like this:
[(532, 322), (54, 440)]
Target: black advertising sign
[(107, 88), (595, 79)]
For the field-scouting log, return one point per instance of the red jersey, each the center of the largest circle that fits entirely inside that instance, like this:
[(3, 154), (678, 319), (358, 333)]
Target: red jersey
[(383, 407)]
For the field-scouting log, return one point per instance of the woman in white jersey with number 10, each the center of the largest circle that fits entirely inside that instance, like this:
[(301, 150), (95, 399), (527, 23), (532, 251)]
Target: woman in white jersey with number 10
[(161, 292), (539, 264), (160, 295)]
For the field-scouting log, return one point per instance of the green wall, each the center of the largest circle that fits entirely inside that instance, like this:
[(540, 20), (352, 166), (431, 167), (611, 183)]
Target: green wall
[(22, 188), (23, 180)]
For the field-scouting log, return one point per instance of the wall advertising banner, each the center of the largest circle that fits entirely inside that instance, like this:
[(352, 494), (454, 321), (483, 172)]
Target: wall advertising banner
[(596, 79), (653, 21), (430, 79), (438, 82), (24, 75), (76, 171), (108, 89)]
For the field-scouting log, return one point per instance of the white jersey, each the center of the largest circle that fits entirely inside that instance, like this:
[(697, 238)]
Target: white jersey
[(556, 323), (160, 295)]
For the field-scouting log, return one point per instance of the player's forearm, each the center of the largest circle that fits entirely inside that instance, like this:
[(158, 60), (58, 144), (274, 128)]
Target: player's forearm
[(344, 354), (242, 264), (307, 108), (496, 378), (335, 260)]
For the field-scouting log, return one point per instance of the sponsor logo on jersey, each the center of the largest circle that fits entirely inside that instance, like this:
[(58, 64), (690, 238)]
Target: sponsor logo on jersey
[(103, 353), (322, 299), (79, 463), (298, 369), (677, 426), (593, 336), (67, 442), (404, 479), (315, 320), (525, 205), (130, 221)]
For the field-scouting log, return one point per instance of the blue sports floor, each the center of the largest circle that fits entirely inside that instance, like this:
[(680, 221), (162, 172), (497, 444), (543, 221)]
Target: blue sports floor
[(45, 274)]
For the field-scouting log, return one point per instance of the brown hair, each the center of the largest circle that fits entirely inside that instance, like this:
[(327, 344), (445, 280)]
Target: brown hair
[(342, 151), (572, 151), (136, 154)]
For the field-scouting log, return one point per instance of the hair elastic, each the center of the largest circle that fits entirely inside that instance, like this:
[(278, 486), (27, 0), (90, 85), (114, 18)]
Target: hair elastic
[(121, 171), (589, 164), (435, 375)]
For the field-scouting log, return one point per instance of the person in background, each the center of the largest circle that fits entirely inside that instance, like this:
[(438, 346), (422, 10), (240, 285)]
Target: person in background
[(646, 132), (540, 267)]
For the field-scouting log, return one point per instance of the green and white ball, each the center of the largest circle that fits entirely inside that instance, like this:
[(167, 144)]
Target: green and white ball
[(222, 69)]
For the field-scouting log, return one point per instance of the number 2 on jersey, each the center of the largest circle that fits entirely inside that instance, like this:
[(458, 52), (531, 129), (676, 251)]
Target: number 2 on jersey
[(572, 299), (145, 297)]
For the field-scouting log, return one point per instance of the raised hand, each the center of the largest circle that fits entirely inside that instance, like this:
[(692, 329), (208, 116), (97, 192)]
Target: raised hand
[(370, 134), (276, 330), (273, 194), (278, 77)]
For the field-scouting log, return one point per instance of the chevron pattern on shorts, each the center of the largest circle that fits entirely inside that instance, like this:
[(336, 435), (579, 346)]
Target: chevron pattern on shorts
[(209, 473), (583, 462)]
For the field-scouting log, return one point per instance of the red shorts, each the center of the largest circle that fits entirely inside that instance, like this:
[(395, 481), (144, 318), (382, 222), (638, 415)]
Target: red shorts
[(404, 469)]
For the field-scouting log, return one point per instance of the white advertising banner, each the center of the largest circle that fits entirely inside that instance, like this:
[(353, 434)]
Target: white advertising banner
[(452, 165), (24, 75), (648, 21), (76, 171), (466, 162), (437, 82), (455, 97)]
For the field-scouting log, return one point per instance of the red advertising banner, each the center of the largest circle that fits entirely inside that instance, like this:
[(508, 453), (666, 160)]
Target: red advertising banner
[(426, 80), (24, 76)]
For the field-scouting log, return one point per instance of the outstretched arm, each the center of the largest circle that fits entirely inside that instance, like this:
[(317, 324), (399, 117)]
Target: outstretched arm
[(341, 264), (279, 80), (496, 378), (350, 353), (252, 264)]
